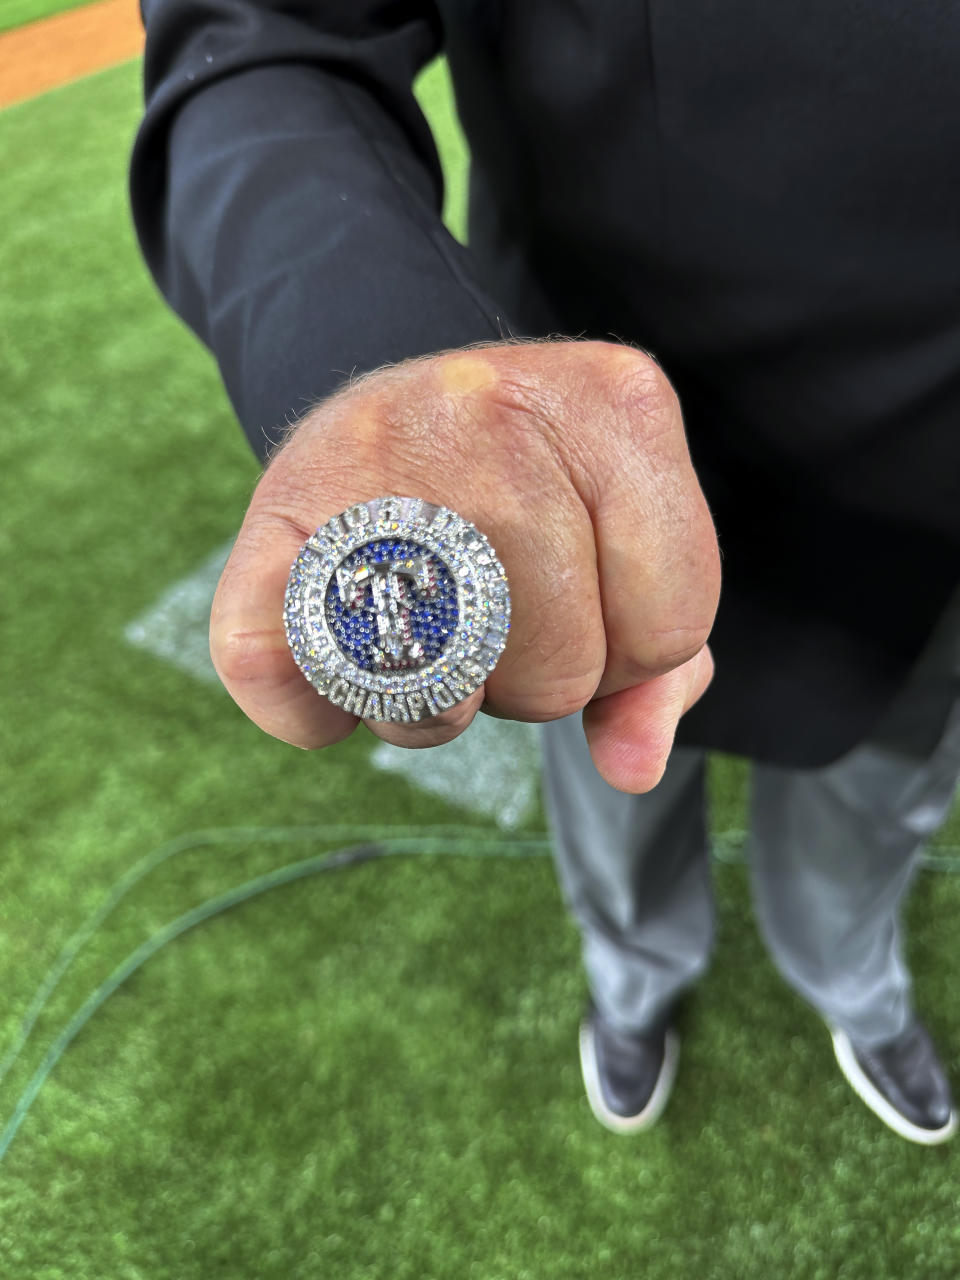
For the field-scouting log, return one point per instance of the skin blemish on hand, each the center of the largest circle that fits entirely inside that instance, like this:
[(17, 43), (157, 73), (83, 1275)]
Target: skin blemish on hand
[(465, 373)]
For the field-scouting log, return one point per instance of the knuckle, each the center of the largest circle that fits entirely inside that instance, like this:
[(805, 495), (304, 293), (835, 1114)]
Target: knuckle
[(526, 426), (569, 695), (522, 405), (568, 701), (537, 704), (244, 658), (640, 389), (657, 652)]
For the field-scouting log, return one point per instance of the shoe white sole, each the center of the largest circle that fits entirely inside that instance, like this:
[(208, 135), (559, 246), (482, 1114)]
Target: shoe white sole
[(658, 1098), (868, 1092)]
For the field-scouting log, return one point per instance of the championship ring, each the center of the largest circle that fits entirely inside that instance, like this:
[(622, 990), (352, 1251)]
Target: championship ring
[(396, 609)]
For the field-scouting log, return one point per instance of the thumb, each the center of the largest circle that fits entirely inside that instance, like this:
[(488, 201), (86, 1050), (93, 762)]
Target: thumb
[(630, 733)]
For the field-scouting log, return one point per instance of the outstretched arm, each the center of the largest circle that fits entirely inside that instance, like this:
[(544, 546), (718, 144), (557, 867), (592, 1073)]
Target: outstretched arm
[(287, 195)]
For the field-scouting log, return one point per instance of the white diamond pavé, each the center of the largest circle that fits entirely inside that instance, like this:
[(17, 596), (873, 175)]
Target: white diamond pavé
[(396, 609)]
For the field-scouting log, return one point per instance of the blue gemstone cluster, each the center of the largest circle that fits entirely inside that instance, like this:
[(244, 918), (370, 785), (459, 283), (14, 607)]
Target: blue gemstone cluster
[(432, 615)]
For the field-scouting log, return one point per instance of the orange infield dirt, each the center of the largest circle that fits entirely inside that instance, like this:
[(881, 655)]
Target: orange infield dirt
[(53, 51)]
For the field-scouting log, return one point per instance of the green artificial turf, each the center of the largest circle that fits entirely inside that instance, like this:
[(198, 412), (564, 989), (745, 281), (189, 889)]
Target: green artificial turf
[(370, 1073)]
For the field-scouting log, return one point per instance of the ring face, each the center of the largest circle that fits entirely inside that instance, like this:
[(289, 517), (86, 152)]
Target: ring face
[(397, 609)]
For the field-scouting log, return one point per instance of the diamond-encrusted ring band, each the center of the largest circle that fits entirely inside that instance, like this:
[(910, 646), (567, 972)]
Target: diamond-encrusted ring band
[(397, 609)]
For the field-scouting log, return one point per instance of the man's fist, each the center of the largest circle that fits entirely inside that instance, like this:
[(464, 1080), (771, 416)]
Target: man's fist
[(571, 458)]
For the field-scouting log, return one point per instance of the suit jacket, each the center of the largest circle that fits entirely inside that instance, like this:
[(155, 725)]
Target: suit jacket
[(766, 196)]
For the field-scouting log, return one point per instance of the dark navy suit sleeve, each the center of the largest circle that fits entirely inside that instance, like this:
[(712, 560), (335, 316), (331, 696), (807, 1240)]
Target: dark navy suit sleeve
[(287, 194)]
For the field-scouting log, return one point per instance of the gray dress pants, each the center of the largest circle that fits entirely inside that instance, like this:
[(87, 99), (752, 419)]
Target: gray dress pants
[(832, 851)]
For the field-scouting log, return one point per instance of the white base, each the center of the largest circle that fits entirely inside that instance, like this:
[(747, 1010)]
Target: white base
[(867, 1091), (658, 1099)]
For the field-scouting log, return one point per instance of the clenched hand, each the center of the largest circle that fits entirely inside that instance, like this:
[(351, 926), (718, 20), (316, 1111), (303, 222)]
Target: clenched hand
[(571, 458)]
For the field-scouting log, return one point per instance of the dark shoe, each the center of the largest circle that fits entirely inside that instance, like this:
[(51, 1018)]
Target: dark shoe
[(628, 1078), (903, 1082)]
